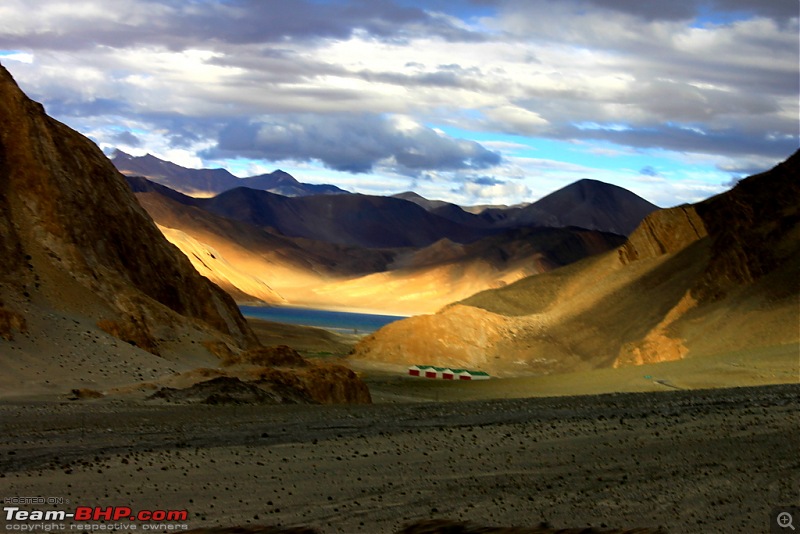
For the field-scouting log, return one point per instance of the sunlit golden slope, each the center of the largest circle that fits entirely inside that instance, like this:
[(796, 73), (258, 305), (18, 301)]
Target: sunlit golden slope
[(697, 280), (254, 263)]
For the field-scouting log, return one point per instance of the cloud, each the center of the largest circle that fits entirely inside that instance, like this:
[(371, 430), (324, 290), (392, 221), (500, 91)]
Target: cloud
[(732, 182), (515, 119), (648, 170), (82, 24), (486, 180), (675, 10), (740, 167), (664, 79), (126, 138), (675, 137), (352, 143), (327, 81), (496, 192)]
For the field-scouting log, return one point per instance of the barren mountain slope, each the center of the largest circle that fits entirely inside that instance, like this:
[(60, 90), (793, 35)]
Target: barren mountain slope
[(586, 203), (254, 262), (354, 220), (69, 214), (92, 295), (694, 280), (250, 262), (425, 280)]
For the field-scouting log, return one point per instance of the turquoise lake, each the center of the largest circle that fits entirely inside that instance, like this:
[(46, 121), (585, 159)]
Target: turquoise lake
[(341, 322)]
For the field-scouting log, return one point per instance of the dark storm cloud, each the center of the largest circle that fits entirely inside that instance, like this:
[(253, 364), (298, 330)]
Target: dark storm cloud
[(126, 138), (486, 180), (777, 9), (351, 143)]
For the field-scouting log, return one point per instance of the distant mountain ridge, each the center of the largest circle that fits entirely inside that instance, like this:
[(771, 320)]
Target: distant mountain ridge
[(369, 253), (389, 222), (209, 182), (589, 204), (350, 220)]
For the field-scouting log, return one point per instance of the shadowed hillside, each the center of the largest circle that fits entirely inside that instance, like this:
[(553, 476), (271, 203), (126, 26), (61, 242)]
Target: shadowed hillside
[(256, 262), (586, 203), (361, 220), (697, 280)]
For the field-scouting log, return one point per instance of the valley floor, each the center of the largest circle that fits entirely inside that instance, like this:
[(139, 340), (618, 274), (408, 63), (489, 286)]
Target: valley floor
[(691, 461)]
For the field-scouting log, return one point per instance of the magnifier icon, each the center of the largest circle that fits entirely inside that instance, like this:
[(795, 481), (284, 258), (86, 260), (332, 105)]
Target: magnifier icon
[(784, 520)]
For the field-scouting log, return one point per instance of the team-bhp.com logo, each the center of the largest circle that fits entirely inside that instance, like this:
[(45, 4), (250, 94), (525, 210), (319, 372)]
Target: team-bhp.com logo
[(93, 514)]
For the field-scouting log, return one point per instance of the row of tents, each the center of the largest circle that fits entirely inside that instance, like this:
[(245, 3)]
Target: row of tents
[(445, 373)]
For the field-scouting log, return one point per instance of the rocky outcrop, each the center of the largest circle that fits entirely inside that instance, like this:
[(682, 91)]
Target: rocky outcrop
[(334, 384), (229, 390), (458, 336), (278, 356), (283, 368), (305, 383), (659, 344), (663, 232), (11, 322), (755, 229), (65, 211)]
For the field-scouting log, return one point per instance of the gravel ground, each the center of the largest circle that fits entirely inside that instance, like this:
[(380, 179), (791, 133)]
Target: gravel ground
[(688, 461)]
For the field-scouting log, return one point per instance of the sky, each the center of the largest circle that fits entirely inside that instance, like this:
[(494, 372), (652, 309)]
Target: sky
[(472, 101)]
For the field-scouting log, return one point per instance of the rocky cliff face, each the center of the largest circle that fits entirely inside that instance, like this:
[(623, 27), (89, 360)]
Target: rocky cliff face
[(663, 232), (66, 213)]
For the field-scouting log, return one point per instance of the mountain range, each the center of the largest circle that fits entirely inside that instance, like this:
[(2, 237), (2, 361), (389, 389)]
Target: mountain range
[(375, 253), (589, 204), (209, 182), (690, 282), (401, 254), (91, 292)]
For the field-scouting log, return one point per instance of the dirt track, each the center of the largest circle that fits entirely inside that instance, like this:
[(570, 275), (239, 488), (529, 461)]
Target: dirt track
[(698, 461)]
